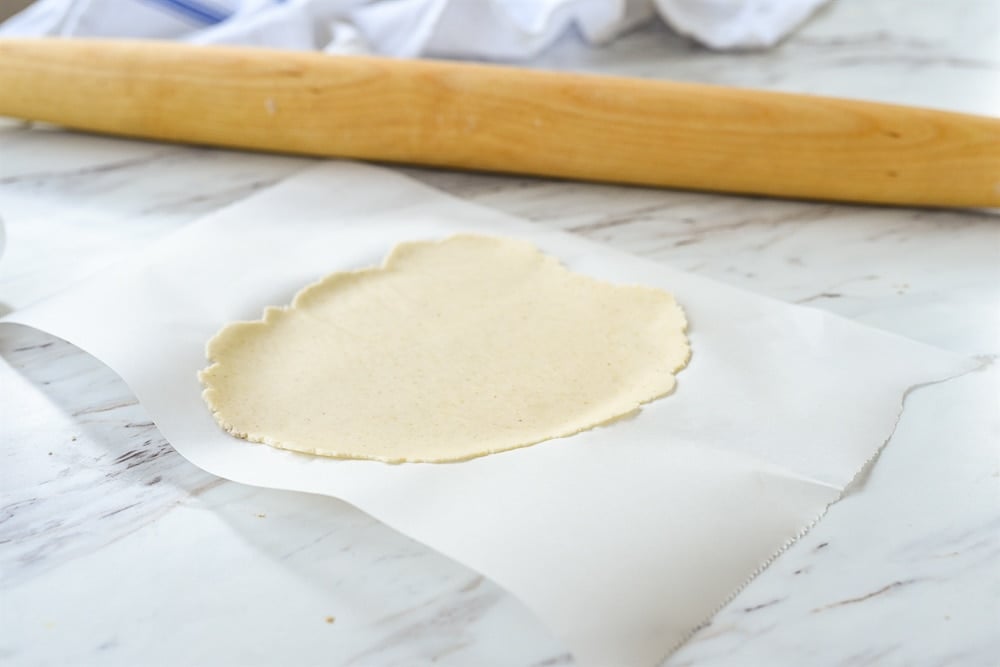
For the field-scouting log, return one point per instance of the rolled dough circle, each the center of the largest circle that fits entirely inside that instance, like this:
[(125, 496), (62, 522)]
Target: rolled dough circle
[(450, 350)]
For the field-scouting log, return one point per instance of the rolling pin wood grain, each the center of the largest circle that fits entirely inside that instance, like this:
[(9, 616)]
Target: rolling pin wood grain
[(505, 119)]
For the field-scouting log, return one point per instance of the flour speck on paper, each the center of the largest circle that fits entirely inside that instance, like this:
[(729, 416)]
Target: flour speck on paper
[(450, 350)]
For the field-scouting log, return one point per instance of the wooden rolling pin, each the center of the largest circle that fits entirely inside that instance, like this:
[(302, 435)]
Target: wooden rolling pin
[(506, 119)]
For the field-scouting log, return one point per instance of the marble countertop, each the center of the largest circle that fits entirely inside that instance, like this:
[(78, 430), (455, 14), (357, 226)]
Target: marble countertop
[(116, 551)]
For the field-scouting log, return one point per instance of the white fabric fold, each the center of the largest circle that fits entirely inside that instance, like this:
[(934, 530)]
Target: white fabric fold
[(502, 30)]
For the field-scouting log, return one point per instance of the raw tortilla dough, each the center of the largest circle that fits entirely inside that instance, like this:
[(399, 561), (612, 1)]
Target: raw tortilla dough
[(451, 350)]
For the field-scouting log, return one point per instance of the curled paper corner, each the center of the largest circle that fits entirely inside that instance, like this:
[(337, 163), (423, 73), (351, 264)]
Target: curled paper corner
[(856, 484)]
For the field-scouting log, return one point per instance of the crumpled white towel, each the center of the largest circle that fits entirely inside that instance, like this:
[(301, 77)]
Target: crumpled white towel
[(478, 29)]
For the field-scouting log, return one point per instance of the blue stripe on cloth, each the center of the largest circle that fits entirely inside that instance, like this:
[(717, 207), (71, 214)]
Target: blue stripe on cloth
[(194, 9)]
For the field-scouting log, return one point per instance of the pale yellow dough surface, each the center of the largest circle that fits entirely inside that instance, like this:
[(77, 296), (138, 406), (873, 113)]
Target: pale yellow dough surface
[(451, 350)]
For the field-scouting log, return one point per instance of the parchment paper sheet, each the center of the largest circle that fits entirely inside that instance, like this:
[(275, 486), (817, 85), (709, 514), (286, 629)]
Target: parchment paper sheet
[(622, 539)]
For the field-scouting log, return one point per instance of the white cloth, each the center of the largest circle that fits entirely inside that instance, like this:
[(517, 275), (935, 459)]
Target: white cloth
[(479, 29)]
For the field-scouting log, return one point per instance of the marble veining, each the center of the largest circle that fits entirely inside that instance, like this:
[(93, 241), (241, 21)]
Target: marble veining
[(115, 551)]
